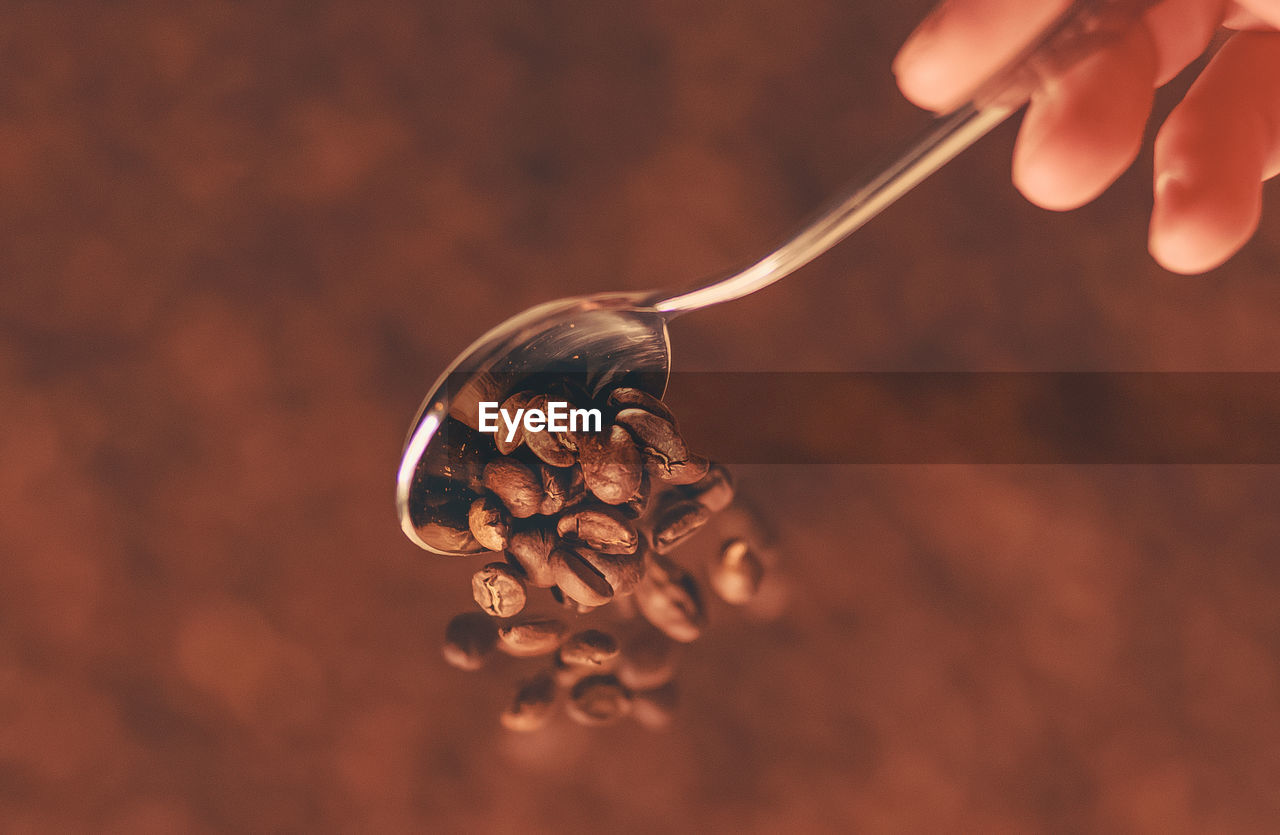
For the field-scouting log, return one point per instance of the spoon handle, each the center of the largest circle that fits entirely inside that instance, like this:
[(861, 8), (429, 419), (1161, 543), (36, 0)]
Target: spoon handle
[(1081, 29)]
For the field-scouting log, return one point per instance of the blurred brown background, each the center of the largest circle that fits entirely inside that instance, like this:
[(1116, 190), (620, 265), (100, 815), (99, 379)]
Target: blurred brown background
[(237, 243)]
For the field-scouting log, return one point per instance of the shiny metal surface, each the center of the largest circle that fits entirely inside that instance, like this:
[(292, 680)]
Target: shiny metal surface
[(611, 337)]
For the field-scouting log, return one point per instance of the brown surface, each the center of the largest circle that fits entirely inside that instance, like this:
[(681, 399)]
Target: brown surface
[(238, 242)]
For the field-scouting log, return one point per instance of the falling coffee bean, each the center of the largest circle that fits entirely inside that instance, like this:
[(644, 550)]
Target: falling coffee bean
[(648, 659), (530, 636), (578, 579), (532, 705), (677, 522), (621, 571), (498, 590), (469, 639), (569, 603), (669, 599), (666, 457), (736, 572), (714, 491), (603, 529), (655, 709), (490, 523), (530, 548), (598, 700), (611, 463), (589, 648), (636, 506)]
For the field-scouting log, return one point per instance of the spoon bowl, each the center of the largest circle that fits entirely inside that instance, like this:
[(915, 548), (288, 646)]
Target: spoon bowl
[(597, 342)]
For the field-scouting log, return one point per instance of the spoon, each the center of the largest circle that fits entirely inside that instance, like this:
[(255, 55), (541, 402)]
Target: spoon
[(613, 339)]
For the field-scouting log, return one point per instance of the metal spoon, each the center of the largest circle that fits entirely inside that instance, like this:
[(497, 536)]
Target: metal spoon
[(621, 338)]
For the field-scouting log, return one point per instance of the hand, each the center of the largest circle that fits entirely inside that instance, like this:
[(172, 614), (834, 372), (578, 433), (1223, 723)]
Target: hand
[(1083, 130)]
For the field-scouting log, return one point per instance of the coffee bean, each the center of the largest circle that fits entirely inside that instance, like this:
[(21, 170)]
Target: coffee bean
[(666, 457), (736, 572), (598, 700), (636, 506), (601, 528), (569, 603), (441, 521), (611, 465), (498, 590), (518, 486), (631, 398), (648, 659), (669, 599), (714, 491), (469, 639), (589, 648), (544, 443), (621, 571), (490, 523), (532, 705), (676, 523), (512, 405), (561, 488), (530, 548), (531, 635), (578, 579), (655, 709)]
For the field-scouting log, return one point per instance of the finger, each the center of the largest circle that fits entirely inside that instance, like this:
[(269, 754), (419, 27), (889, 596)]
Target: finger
[(963, 42), (1213, 153), (1083, 130), (1267, 11), (1181, 30)]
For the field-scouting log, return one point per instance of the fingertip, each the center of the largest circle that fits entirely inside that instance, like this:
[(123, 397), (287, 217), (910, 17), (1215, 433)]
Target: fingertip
[(1197, 227)]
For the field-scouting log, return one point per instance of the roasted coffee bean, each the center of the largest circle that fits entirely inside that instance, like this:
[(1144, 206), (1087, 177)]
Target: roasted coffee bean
[(469, 639), (512, 405), (534, 700), (519, 487), (530, 548), (611, 464), (598, 700), (498, 590), (561, 488), (714, 491), (666, 457), (636, 506), (569, 603), (441, 521), (589, 648), (676, 523), (621, 571), (601, 528), (654, 709), (490, 523), (736, 572), (578, 579), (544, 443), (632, 398), (531, 635), (669, 599), (648, 659)]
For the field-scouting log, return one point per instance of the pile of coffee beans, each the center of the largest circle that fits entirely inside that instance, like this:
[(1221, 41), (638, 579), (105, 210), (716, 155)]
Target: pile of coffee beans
[(593, 518)]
